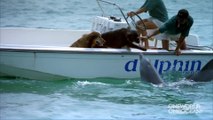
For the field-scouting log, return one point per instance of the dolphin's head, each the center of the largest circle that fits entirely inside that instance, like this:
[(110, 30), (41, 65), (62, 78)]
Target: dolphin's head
[(141, 56), (144, 62), (148, 72)]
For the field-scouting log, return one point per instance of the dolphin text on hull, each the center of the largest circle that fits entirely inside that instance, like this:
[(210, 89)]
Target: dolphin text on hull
[(149, 73)]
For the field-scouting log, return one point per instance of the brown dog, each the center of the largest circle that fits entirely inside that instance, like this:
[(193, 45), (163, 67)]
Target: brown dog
[(91, 40), (120, 38)]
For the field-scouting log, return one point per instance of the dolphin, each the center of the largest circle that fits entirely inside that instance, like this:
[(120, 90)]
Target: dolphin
[(204, 75), (148, 72)]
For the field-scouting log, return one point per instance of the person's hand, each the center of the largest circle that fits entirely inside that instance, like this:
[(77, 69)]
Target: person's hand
[(177, 52), (130, 14), (149, 37)]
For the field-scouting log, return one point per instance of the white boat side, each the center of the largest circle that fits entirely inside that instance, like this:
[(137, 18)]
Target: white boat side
[(45, 54)]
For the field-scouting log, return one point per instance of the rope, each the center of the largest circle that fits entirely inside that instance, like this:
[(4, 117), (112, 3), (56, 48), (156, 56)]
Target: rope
[(195, 47), (125, 18)]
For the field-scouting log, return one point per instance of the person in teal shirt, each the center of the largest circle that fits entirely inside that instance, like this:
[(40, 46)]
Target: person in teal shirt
[(177, 28), (158, 15)]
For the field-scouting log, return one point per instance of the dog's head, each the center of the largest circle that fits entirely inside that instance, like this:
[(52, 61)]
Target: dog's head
[(132, 36), (96, 40)]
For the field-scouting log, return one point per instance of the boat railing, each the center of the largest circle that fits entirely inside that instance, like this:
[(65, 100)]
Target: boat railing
[(110, 3)]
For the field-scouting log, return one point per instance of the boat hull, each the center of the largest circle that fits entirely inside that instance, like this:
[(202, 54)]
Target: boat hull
[(94, 63)]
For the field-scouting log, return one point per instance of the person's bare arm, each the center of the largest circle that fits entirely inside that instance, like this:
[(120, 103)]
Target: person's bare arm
[(141, 10), (156, 32), (179, 44)]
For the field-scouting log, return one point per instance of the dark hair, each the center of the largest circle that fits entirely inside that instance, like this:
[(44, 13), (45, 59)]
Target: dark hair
[(183, 14)]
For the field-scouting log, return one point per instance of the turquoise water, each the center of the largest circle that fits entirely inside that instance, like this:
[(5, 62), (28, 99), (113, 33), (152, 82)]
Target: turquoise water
[(101, 98)]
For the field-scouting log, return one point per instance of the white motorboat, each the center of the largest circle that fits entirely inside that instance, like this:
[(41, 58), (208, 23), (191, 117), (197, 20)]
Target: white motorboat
[(45, 54)]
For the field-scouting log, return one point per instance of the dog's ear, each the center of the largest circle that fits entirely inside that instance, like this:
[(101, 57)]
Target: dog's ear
[(98, 43), (96, 40), (94, 35)]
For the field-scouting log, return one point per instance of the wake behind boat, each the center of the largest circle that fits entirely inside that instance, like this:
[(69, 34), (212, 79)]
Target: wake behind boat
[(45, 54)]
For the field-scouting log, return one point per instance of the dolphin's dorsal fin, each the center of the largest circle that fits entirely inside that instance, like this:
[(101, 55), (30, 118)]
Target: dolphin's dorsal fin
[(208, 66)]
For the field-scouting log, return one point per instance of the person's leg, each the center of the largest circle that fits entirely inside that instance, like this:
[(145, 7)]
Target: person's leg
[(183, 46), (165, 44), (148, 25)]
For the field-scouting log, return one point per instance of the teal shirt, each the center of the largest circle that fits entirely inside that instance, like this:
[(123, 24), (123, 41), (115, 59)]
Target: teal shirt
[(170, 27), (156, 9)]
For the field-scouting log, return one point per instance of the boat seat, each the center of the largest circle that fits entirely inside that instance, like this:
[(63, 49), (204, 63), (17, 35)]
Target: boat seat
[(191, 40)]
